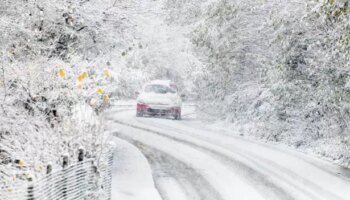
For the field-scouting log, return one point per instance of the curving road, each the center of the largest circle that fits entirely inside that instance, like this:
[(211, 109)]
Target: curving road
[(191, 162)]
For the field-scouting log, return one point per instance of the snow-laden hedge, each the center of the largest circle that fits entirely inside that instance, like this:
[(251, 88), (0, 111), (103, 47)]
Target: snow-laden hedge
[(277, 70), (55, 79), (48, 113)]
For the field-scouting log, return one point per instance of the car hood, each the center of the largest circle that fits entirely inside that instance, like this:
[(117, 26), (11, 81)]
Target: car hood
[(158, 99)]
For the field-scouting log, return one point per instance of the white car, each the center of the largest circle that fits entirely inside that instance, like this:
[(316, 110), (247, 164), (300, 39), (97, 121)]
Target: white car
[(159, 97)]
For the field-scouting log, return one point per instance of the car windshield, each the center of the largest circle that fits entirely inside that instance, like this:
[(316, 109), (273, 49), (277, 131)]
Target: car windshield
[(159, 89)]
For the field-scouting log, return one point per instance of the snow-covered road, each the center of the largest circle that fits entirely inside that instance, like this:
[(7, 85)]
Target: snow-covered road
[(190, 161)]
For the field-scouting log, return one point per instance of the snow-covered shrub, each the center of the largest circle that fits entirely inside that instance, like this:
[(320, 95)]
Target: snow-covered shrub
[(277, 70), (312, 97), (55, 81), (49, 112)]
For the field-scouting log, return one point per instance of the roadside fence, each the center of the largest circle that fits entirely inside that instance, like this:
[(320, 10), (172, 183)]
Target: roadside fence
[(87, 179)]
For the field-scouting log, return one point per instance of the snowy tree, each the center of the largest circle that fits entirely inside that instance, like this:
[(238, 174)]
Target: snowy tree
[(277, 70)]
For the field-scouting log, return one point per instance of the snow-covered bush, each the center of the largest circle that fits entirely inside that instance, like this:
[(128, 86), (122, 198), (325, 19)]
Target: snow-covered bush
[(55, 81), (277, 70), (309, 78)]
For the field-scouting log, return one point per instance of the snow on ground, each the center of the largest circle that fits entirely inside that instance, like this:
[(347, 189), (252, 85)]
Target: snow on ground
[(210, 164), (173, 188), (132, 174)]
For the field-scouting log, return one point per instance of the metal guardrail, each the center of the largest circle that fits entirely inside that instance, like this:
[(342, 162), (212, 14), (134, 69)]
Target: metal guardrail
[(87, 179)]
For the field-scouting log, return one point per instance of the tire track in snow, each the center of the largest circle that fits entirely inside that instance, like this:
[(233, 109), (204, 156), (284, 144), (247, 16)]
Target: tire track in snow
[(313, 190), (341, 172), (226, 182), (166, 168), (265, 186), (277, 192)]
